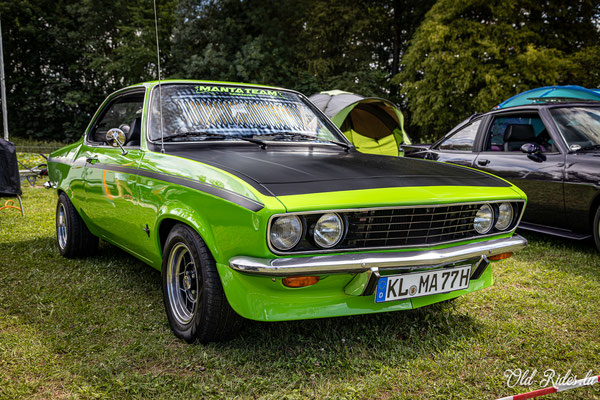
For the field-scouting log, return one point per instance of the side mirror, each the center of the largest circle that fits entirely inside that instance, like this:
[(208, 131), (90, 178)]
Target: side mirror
[(115, 137), (533, 151), (531, 148)]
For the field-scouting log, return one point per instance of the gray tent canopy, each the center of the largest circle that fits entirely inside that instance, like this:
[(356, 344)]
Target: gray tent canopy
[(373, 125)]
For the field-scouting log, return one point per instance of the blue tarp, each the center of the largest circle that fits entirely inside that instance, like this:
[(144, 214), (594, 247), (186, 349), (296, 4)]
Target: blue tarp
[(535, 96)]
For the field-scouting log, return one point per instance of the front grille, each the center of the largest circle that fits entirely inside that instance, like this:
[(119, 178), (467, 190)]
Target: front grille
[(410, 226)]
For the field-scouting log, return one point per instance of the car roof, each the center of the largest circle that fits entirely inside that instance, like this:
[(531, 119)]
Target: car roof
[(527, 107), (550, 104), (549, 94)]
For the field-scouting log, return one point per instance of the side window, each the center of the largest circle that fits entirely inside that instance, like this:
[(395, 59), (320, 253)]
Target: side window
[(509, 133), (124, 113), (463, 139)]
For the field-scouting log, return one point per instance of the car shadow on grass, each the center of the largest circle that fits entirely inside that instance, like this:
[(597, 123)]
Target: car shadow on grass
[(113, 291), (584, 246), (436, 320), (578, 257), (437, 323), (354, 345)]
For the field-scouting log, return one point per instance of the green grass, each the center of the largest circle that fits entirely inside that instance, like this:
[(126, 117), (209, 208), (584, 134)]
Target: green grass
[(36, 146), (96, 328), (30, 160)]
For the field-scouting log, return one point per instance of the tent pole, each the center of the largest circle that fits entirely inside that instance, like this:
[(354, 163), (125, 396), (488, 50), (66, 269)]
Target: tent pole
[(3, 88)]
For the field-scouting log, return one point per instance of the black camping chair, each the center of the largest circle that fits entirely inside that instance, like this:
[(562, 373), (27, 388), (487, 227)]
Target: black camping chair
[(10, 182), (32, 174)]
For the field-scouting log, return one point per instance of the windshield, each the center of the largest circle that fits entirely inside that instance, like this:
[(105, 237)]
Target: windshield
[(579, 126), (222, 112)]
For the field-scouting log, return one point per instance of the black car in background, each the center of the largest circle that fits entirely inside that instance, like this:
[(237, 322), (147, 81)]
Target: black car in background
[(551, 151)]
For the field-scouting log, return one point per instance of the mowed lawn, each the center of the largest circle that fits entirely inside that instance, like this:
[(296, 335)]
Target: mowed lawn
[(96, 328)]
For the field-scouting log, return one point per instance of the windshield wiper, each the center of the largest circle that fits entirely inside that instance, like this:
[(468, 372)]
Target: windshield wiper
[(212, 134), (590, 147), (310, 137), (186, 135)]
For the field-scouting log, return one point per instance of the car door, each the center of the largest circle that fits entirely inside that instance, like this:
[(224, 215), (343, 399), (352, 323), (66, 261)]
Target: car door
[(540, 176), (577, 124), (110, 179), (458, 146)]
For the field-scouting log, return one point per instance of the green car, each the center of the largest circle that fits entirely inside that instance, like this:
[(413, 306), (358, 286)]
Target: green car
[(252, 204)]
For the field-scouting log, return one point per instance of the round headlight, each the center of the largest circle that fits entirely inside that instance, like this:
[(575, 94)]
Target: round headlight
[(505, 216), (286, 232), (484, 219), (329, 230)]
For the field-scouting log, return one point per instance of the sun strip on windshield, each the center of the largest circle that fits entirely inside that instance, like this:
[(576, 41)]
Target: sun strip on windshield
[(221, 112)]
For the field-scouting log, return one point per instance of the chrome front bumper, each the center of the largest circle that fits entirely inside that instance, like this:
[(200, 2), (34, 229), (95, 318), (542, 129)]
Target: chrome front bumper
[(363, 262)]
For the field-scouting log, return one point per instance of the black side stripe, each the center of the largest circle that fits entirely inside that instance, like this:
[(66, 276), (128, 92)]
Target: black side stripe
[(225, 194), (201, 186)]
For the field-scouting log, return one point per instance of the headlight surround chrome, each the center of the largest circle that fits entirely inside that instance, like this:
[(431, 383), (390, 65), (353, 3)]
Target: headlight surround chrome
[(484, 219), (286, 232), (329, 230), (506, 214)]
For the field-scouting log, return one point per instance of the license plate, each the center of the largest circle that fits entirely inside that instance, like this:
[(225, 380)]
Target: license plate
[(399, 287)]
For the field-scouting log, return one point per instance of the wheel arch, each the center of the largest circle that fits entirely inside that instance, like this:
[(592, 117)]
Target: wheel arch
[(66, 190), (595, 204), (168, 217)]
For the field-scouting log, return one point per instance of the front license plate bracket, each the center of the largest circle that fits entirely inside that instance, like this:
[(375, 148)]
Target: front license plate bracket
[(424, 283)]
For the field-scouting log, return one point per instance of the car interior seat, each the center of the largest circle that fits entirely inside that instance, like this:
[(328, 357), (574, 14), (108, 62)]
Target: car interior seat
[(516, 135), (133, 136), (545, 142)]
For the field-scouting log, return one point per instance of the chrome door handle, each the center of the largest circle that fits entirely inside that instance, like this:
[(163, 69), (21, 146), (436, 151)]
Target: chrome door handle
[(483, 162)]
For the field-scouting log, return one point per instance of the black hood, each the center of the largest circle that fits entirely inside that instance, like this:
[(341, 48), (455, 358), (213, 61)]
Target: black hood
[(280, 170)]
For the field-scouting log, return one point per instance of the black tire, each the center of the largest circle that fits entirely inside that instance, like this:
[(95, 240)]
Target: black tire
[(195, 302), (596, 228), (73, 237)]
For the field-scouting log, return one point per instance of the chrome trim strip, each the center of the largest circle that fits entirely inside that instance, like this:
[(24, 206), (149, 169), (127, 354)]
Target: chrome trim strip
[(361, 262), (344, 210)]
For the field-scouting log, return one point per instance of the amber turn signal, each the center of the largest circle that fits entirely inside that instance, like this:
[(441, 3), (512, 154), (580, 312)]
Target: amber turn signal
[(300, 281), (501, 256)]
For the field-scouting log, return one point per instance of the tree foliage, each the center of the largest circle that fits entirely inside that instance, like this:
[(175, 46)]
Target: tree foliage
[(470, 55), (440, 59), (241, 41), (307, 45), (62, 58)]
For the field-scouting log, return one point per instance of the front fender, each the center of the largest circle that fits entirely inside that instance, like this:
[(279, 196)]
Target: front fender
[(176, 211)]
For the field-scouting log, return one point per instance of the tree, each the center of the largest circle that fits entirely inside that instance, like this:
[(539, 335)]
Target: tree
[(307, 45), (469, 56), (407, 16), (63, 57), (347, 45), (242, 41)]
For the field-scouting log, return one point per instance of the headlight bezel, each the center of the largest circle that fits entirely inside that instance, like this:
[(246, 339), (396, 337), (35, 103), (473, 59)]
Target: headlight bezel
[(299, 236), (510, 219), (342, 230), (485, 208)]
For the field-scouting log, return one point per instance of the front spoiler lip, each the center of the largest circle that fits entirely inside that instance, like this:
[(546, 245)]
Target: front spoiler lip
[(361, 262)]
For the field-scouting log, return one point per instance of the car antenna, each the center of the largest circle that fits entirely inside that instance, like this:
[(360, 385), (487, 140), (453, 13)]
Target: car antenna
[(162, 142)]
